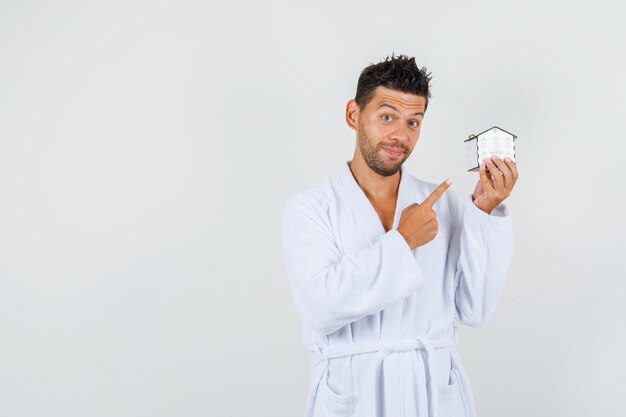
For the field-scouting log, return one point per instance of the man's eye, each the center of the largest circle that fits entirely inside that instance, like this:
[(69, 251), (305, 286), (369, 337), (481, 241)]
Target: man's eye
[(386, 115), (416, 124)]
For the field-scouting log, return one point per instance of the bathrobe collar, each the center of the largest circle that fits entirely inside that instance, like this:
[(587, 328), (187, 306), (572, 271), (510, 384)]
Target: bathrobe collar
[(365, 208)]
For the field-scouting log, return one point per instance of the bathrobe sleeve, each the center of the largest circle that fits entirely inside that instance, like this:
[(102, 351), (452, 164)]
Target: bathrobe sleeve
[(482, 245), (331, 289)]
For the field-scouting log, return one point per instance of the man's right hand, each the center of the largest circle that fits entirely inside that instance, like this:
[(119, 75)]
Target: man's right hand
[(418, 222)]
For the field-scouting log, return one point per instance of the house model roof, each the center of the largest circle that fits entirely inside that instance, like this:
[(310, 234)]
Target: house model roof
[(472, 137)]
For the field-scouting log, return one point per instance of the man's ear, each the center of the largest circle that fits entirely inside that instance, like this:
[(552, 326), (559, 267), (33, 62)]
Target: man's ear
[(352, 114)]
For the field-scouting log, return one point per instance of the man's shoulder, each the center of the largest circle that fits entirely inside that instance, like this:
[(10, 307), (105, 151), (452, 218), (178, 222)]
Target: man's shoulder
[(425, 188), (315, 198), (420, 185)]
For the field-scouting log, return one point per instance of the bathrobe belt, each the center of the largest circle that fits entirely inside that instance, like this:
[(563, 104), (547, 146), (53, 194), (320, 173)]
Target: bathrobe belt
[(369, 389)]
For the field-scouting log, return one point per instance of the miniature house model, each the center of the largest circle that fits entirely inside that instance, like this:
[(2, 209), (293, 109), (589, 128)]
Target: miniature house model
[(493, 141)]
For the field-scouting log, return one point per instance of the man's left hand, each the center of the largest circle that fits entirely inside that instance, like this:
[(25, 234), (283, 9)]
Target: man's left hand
[(492, 189)]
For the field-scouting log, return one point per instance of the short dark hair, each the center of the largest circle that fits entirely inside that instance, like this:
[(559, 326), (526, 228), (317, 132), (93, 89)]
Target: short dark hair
[(398, 73)]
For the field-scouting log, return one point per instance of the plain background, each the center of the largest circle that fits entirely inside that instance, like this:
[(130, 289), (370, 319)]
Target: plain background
[(148, 147)]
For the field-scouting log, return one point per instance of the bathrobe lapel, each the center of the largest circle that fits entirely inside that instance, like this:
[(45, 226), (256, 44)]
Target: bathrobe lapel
[(364, 206)]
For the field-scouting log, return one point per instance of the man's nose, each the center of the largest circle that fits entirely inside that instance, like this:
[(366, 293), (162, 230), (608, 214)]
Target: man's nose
[(400, 134)]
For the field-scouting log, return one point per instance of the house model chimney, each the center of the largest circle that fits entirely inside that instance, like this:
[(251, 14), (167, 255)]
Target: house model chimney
[(493, 141)]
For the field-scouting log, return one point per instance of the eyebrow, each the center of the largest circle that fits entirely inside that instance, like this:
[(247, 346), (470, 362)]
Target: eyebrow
[(389, 105)]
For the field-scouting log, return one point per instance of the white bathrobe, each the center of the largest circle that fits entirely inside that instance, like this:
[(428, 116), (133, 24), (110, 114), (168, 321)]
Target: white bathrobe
[(377, 316)]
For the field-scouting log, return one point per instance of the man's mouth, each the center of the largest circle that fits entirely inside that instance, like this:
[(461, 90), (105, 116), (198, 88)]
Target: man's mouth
[(394, 151)]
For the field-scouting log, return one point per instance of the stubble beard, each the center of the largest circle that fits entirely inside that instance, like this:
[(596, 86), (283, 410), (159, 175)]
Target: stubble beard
[(372, 155)]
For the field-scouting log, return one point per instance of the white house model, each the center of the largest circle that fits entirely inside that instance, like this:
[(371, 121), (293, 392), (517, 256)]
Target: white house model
[(493, 141)]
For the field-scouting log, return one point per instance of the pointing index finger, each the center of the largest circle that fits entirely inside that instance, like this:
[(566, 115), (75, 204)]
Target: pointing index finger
[(438, 192)]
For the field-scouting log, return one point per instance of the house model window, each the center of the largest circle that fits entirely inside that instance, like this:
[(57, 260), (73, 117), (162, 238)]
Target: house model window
[(493, 141)]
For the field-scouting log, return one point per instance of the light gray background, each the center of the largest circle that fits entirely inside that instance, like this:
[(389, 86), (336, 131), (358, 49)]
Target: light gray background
[(147, 149)]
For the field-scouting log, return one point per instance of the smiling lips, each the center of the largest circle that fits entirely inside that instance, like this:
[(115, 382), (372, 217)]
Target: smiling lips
[(394, 151)]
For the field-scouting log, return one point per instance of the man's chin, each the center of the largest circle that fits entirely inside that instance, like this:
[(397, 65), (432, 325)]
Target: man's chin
[(389, 168), (393, 161)]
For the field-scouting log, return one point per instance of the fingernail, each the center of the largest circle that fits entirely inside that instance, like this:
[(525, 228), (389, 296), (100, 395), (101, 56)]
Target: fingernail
[(448, 181), (507, 159)]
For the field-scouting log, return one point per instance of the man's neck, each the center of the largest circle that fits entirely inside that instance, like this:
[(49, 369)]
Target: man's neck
[(375, 186)]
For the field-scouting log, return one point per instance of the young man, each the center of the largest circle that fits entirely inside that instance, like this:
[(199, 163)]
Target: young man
[(380, 263)]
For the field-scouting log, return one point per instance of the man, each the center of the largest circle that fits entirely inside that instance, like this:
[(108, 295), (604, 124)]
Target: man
[(380, 263)]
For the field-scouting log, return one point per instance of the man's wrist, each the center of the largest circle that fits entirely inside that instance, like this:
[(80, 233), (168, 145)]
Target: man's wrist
[(487, 210)]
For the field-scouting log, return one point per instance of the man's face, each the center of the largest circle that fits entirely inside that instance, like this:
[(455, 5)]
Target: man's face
[(388, 129)]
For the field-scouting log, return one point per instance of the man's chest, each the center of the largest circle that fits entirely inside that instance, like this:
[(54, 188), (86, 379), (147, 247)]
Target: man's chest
[(385, 211), (354, 230)]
